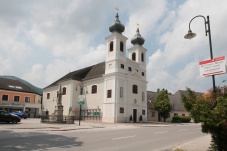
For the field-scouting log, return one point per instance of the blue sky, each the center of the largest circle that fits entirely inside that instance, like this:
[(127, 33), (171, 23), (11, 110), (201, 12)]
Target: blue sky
[(43, 40)]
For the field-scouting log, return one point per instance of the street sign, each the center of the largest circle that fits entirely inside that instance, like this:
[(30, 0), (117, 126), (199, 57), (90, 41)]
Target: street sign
[(81, 99), (81, 102), (213, 66)]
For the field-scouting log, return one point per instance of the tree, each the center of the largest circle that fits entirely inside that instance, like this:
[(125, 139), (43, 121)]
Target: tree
[(189, 99), (162, 104), (213, 117)]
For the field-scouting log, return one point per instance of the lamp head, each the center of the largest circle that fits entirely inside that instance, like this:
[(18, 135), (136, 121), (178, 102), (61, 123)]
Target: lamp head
[(190, 35)]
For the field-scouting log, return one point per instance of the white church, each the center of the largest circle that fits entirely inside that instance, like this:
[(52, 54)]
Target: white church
[(115, 89)]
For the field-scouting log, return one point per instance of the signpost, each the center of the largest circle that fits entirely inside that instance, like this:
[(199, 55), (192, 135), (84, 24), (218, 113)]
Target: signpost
[(213, 66), (81, 99)]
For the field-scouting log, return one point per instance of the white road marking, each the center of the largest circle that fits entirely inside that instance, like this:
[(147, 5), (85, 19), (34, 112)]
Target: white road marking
[(160, 132), (183, 129), (124, 137)]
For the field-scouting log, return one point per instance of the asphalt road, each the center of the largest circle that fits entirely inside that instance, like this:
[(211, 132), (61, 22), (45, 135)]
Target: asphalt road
[(136, 138)]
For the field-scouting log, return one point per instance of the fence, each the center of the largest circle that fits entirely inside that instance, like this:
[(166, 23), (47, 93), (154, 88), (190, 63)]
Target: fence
[(91, 118), (57, 119)]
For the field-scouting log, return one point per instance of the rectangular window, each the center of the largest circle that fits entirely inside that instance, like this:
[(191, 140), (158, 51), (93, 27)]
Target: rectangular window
[(109, 92), (175, 114), (4, 97), (27, 99), (122, 66), (143, 112), (121, 110), (129, 69), (183, 114), (16, 98), (142, 73)]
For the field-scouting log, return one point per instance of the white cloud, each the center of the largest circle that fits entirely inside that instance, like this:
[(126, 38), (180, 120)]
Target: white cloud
[(179, 57)]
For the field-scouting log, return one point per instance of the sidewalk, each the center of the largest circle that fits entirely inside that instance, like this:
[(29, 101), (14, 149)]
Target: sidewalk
[(200, 144)]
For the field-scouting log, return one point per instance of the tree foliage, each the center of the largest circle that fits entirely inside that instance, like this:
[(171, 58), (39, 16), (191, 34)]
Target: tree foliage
[(162, 104), (213, 117)]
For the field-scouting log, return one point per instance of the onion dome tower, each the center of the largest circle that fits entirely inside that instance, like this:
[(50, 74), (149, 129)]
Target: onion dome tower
[(137, 39), (138, 53), (117, 26)]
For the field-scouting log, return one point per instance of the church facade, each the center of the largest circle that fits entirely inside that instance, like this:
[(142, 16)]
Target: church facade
[(115, 88)]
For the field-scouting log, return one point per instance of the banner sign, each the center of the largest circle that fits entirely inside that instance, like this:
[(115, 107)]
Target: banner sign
[(213, 66)]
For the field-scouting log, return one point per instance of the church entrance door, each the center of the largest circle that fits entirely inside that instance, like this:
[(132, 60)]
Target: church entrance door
[(134, 115)]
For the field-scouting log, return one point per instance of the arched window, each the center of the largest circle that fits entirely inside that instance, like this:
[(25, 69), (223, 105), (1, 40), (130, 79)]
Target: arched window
[(48, 95), (142, 57), (94, 89), (111, 46), (64, 91), (134, 56), (121, 46), (121, 92), (134, 89)]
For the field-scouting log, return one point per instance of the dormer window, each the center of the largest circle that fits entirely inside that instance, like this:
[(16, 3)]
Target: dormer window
[(121, 46), (111, 46), (134, 56)]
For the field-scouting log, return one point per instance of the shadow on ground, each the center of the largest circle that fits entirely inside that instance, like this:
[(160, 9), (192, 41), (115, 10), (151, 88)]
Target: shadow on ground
[(27, 141)]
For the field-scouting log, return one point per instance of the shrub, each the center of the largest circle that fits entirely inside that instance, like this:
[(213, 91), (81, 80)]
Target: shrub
[(181, 119), (130, 118), (141, 118)]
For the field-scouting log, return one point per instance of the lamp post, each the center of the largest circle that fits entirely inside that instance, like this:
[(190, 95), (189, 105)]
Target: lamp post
[(81, 93), (191, 35)]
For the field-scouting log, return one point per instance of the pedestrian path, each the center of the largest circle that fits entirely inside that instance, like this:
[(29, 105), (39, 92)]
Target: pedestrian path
[(199, 144)]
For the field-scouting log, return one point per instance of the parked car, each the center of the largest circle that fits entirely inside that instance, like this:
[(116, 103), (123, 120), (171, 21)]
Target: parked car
[(20, 114), (6, 117)]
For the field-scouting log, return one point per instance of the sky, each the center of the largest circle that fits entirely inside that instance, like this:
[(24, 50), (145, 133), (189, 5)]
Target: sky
[(41, 41)]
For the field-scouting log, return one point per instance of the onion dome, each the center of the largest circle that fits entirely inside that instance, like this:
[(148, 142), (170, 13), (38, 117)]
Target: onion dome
[(117, 26), (137, 39)]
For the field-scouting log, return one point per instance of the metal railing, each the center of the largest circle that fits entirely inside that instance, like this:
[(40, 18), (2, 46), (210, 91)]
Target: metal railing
[(91, 118), (57, 119)]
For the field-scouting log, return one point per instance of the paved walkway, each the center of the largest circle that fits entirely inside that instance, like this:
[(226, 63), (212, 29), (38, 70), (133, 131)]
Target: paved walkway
[(200, 144)]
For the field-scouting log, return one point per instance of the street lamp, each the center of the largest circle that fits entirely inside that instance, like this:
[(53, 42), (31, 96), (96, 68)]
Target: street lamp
[(81, 93), (191, 35)]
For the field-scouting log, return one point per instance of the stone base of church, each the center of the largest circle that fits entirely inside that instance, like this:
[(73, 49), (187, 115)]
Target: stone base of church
[(108, 119), (115, 119)]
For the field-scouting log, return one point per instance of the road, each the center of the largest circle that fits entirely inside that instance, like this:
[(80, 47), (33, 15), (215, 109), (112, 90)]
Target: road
[(133, 138)]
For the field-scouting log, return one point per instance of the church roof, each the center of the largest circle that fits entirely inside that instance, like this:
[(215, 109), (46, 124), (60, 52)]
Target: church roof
[(87, 73), (117, 26), (137, 39)]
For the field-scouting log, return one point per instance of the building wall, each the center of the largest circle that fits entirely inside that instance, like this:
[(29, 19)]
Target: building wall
[(33, 107), (152, 115)]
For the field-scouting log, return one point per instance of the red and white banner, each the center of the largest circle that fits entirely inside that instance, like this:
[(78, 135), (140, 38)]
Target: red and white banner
[(213, 66)]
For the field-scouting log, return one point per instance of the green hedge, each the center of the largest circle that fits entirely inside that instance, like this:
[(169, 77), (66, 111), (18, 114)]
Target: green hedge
[(181, 119)]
